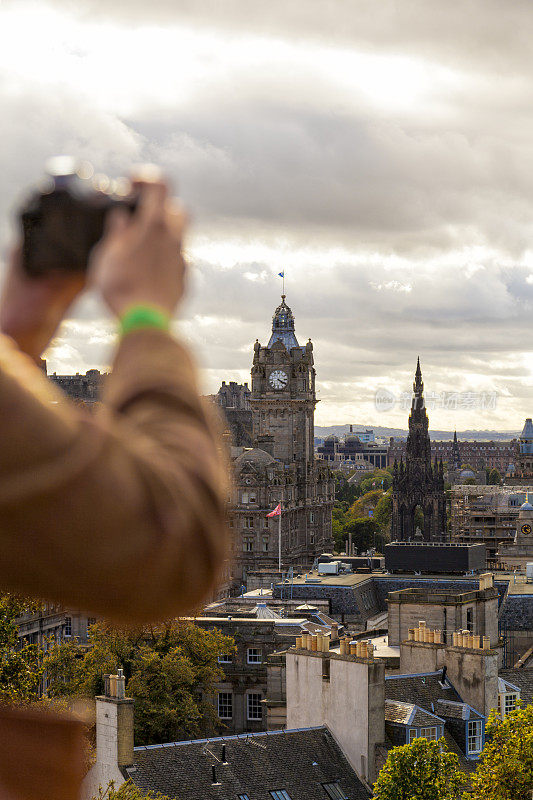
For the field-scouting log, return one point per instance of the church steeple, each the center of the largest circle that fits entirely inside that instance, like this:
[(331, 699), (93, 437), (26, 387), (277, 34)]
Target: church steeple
[(456, 454), (418, 385), (283, 326), (417, 482), (418, 448)]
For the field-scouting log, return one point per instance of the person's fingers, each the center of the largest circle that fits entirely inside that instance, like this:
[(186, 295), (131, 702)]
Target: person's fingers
[(152, 204), (116, 221), (15, 256), (147, 173), (176, 218)]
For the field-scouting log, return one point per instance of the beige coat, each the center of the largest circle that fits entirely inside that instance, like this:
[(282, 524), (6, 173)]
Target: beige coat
[(119, 513)]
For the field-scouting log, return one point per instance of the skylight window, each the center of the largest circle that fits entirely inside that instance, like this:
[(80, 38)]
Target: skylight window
[(334, 791), (280, 794)]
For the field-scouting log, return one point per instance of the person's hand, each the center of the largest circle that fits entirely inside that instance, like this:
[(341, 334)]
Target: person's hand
[(139, 260), (31, 308)]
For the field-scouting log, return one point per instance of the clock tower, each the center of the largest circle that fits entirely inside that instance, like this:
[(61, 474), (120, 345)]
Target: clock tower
[(280, 468), (519, 553), (283, 392)]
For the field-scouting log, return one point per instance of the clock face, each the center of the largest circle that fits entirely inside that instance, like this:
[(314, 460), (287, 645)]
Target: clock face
[(526, 529), (278, 379)]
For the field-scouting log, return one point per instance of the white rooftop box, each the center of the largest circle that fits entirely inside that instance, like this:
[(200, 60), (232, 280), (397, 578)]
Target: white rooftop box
[(331, 568)]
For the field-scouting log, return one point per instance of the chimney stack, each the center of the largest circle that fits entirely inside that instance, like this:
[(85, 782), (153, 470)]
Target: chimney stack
[(114, 729), (114, 735)]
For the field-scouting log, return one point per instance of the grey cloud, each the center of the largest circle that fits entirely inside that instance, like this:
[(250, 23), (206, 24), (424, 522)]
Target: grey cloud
[(346, 176), (361, 340), (484, 32), (38, 124)]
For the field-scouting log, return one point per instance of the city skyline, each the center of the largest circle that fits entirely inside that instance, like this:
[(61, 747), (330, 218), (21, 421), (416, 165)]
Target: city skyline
[(380, 159)]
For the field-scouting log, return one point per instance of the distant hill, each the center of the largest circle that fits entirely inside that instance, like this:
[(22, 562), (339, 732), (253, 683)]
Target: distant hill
[(469, 436)]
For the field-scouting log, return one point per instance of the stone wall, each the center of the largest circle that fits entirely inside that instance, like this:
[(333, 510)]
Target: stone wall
[(349, 603), (474, 674), (348, 697)]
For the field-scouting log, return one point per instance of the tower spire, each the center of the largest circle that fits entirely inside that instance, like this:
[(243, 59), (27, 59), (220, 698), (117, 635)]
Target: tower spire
[(418, 481), (456, 453), (418, 388), (418, 385), (283, 326)]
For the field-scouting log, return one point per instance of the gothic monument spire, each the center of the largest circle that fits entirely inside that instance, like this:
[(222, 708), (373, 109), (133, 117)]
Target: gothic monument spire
[(418, 486)]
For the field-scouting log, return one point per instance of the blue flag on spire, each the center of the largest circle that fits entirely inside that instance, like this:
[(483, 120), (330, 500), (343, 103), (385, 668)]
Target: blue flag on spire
[(281, 274)]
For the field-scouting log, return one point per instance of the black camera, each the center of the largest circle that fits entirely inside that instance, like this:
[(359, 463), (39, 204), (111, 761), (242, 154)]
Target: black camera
[(65, 217)]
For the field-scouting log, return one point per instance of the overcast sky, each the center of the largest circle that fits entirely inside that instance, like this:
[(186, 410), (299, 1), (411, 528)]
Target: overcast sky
[(381, 153)]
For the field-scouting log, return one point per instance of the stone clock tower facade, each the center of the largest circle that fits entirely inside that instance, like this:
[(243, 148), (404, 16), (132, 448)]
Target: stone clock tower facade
[(517, 554), (281, 465), (283, 395)]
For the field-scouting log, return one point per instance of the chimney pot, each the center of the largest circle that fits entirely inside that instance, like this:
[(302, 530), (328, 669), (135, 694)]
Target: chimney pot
[(213, 774), (224, 754)]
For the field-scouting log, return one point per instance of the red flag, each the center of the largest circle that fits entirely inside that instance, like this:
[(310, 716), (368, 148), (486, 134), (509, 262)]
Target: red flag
[(276, 512)]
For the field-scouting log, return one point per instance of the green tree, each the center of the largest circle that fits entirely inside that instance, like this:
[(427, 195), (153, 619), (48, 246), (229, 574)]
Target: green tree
[(367, 501), (505, 769), (21, 666), (379, 479), (494, 478), (422, 770), (128, 791), (383, 512), (345, 492), (170, 670)]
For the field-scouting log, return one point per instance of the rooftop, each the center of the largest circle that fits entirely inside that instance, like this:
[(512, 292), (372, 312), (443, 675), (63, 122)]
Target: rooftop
[(409, 714), (424, 690), (517, 584), (298, 762), (283, 326), (522, 678)]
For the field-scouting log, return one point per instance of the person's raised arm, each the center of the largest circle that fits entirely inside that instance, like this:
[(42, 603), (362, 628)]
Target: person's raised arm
[(121, 513)]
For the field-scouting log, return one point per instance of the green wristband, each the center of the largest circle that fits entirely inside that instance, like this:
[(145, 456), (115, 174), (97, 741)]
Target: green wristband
[(138, 317)]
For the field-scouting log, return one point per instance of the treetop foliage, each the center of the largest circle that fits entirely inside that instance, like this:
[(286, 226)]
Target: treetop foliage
[(170, 670), (505, 769), (128, 791), (422, 770)]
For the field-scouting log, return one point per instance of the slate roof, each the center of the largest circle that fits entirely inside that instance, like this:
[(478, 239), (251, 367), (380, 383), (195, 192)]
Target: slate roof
[(409, 714), (522, 679), (297, 761), (454, 710), (398, 712), (421, 690)]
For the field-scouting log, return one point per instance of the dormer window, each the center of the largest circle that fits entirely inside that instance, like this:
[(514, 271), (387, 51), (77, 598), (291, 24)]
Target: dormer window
[(507, 703), (431, 734), (475, 737)]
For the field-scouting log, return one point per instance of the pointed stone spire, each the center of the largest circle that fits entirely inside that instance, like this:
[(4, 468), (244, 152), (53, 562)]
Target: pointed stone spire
[(456, 453), (418, 385), (283, 326), (418, 388)]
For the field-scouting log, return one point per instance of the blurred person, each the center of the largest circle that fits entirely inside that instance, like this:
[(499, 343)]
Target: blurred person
[(120, 513)]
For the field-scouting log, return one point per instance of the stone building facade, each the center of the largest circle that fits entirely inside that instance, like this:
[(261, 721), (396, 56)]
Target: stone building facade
[(53, 621), (85, 388), (523, 468), (485, 514), (233, 400), (479, 455), (475, 610), (352, 449), (518, 553), (416, 481), (241, 694), (281, 467)]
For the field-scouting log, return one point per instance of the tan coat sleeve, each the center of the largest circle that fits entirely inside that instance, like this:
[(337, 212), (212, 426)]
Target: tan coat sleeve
[(120, 513)]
